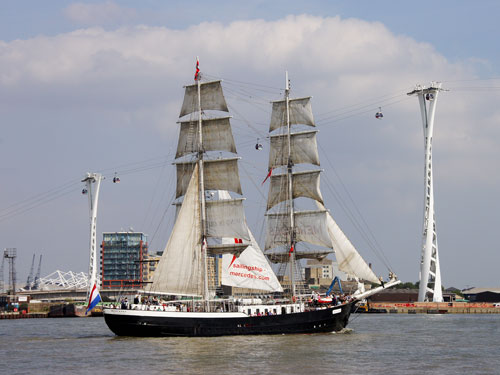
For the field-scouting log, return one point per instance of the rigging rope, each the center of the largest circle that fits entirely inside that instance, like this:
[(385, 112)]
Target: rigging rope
[(250, 93), (367, 234), (328, 118), (60, 191)]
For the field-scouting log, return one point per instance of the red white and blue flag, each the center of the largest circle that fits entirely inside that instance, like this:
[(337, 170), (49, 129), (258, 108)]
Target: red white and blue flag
[(94, 299)]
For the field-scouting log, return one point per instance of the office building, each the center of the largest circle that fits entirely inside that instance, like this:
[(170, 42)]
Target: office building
[(122, 260)]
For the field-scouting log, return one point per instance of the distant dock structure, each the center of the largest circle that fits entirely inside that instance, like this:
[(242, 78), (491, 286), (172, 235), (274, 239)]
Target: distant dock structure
[(10, 254), (430, 273), (33, 281)]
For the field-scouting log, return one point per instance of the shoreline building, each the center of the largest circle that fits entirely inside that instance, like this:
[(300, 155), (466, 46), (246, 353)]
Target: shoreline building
[(214, 265), (151, 263), (123, 256), (321, 272)]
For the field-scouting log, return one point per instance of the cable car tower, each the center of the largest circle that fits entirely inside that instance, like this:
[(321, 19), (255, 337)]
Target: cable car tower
[(90, 179), (430, 273)]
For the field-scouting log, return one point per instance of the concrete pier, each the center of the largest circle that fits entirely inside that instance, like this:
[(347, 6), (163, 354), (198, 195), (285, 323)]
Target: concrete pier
[(436, 308), (18, 315)]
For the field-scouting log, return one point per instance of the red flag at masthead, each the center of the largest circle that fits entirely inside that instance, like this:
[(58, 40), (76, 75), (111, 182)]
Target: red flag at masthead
[(197, 74)]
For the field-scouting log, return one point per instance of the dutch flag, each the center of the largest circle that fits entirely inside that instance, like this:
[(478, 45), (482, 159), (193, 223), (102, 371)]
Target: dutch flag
[(94, 299)]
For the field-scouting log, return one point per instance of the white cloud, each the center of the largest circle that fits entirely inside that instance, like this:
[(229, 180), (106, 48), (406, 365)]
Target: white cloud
[(124, 87), (98, 13), (339, 61)]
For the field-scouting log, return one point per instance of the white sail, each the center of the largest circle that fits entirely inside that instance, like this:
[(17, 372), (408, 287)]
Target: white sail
[(304, 149), (211, 95), (180, 268), (226, 218), (305, 184), (300, 113), (310, 226), (217, 136), (250, 270), (218, 174), (347, 256), (288, 226)]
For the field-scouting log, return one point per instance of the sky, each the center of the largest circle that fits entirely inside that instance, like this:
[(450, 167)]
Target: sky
[(97, 87)]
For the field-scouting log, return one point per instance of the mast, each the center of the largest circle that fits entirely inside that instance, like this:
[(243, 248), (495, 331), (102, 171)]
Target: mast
[(202, 192), (89, 180), (290, 186), (184, 266), (286, 226), (430, 273)]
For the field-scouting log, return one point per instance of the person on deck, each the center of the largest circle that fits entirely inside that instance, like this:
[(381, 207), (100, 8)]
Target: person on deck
[(315, 298)]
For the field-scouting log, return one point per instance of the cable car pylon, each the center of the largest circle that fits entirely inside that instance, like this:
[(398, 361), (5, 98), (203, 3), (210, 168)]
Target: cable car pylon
[(93, 193), (430, 272)]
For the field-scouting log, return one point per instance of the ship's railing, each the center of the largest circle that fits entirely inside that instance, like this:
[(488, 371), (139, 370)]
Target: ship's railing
[(252, 307)]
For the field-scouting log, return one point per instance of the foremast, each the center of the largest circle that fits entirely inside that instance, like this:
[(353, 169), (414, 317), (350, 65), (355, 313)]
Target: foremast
[(202, 221), (289, 172), (203, 215)]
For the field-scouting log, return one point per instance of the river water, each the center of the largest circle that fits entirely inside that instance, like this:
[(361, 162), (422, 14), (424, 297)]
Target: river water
[(374, 344)]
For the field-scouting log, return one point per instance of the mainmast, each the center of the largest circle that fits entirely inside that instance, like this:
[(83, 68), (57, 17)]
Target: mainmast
[(430, 273), (286, 226), (202, 193), (290, 186)]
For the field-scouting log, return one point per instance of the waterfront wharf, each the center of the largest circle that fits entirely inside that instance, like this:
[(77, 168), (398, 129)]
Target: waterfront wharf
[(436, 307), (20, 315)]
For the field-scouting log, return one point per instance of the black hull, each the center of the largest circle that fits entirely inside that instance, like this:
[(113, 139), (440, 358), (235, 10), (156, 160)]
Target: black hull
[(133, 324)]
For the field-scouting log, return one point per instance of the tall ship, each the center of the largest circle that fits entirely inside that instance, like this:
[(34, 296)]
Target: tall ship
[(210, 232)]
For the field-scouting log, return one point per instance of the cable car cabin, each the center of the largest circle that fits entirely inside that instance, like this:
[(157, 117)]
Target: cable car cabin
[(379, 115), (258, 146), (84, 191), (429, 96), (116, 179)]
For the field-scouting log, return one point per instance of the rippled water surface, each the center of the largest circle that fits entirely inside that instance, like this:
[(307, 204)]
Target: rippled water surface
[(374, 344)]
